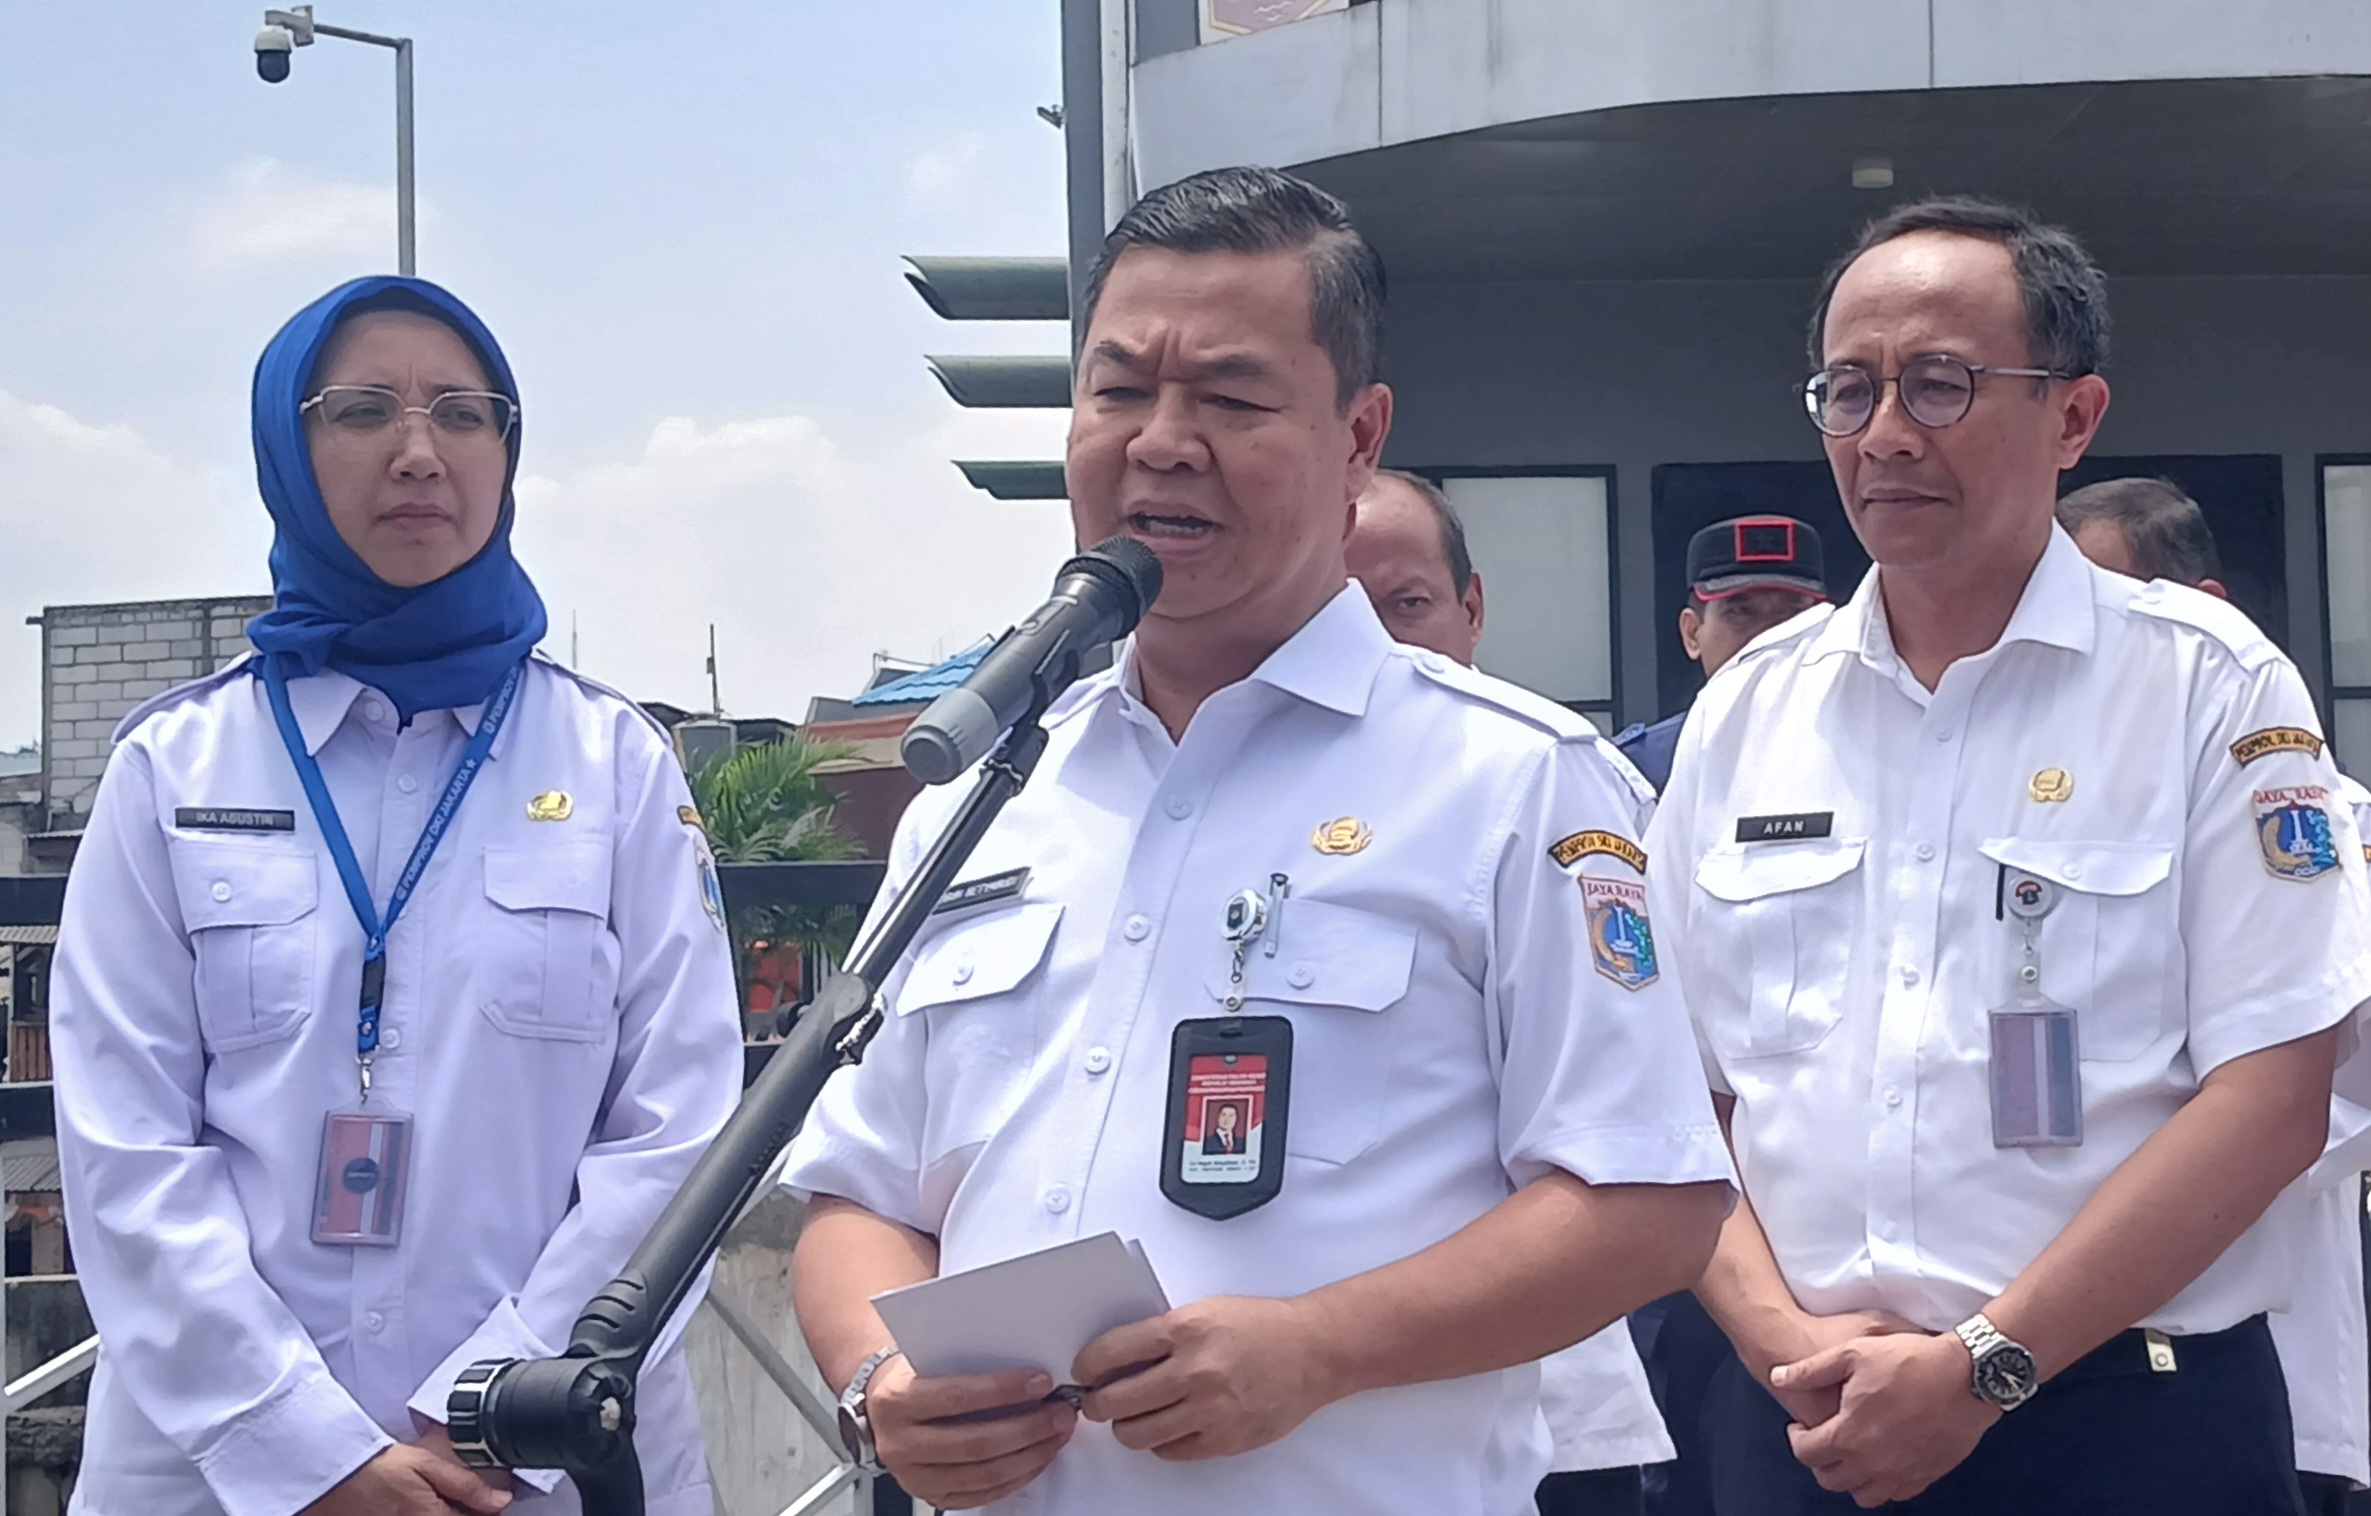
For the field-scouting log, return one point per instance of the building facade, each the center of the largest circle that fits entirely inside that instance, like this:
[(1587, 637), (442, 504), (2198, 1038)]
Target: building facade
[(1604, 224)]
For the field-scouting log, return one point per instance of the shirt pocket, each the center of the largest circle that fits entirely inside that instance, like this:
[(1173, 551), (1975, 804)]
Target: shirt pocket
[(973, 983), (548, 966), (250, 910), (2110, 948), (1335, 969), (1776, 938)]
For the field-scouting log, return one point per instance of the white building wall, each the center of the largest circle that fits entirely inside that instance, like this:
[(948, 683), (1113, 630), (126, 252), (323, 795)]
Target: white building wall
[(1399, 70), (100, 661)]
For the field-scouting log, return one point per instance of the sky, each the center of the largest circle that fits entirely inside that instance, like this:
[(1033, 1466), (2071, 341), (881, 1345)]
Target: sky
[(684, 224)]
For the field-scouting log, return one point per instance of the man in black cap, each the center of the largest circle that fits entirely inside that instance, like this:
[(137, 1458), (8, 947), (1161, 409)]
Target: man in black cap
[(1745, 576)]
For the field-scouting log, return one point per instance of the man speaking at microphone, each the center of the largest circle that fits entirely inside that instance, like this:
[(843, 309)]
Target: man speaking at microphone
[(1398, 903)]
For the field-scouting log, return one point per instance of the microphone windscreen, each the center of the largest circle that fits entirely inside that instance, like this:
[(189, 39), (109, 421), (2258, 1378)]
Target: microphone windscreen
[(1139, 565)]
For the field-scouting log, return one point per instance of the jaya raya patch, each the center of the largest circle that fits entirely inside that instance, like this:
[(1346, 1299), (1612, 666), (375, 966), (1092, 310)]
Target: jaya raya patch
[(1579, 845), (2293, 828), (1621, 944), (2276, 739)]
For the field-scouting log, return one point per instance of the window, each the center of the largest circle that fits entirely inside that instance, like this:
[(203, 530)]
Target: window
[(2346, 604), (1544, 545)]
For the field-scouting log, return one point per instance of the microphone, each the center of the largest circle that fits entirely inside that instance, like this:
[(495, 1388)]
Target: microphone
[(1099, 596)]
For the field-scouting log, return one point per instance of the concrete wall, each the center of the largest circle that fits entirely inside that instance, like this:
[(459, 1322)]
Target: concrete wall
[(1635, 375), (99, 661), (1399, 70)]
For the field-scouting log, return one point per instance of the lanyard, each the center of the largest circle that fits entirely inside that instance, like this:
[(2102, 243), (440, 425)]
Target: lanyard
[(333, 833)]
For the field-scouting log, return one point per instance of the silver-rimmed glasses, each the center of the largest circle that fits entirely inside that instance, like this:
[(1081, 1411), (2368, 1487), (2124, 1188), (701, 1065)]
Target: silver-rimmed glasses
[(368, 411), (1936, 391)]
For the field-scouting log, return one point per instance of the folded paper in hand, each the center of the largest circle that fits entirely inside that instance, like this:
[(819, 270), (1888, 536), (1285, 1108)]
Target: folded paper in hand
[(1037, 1311)]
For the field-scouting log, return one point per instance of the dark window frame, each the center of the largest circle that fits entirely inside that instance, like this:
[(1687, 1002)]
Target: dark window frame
[(2331, 691)]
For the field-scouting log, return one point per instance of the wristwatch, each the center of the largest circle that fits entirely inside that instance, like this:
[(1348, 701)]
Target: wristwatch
[(856, 1425), (2002, 1371)]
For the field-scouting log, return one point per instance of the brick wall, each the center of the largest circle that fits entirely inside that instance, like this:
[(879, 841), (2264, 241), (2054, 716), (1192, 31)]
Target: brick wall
[(99, 661)]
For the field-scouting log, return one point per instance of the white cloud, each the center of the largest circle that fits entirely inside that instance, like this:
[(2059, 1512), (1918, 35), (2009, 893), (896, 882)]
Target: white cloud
[(809, 555), (268, 214), (95, 512), (940, 172)]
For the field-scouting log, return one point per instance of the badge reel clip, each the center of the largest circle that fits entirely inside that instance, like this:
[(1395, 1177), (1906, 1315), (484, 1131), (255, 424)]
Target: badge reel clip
[(1230, 1082), (2036, 1068)]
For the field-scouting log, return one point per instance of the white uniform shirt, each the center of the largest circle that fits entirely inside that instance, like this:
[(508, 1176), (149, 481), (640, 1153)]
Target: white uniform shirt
[(1451, 1038), (558, 1021), (1841, 983), (2323, 1349)]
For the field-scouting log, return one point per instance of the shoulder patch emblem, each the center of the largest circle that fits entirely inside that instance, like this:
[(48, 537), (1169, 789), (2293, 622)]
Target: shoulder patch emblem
[(2276, 739), (691, 818), (2293, 828), (1579, 845), (1621, 943), (711, 890)]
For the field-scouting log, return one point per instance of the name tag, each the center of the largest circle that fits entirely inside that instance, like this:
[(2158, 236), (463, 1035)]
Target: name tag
[(208, 818), (1790, 828), (971, 892)]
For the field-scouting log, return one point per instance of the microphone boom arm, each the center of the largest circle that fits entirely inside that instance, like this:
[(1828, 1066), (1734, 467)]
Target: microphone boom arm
[(576, 1412)]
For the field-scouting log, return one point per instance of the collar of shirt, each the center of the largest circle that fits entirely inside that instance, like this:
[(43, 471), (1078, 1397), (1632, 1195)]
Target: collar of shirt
[(1331, 661), (322, 702), (2055, 608)]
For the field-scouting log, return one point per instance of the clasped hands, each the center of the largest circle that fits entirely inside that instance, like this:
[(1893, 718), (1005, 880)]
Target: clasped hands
[(1210, 1379), (1882, 1408)]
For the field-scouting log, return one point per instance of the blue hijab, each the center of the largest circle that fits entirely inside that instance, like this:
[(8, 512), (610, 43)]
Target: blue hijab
[(442, 645)]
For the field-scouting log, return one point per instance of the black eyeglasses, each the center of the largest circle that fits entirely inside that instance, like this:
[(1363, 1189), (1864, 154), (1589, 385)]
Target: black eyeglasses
[(1936, 391)]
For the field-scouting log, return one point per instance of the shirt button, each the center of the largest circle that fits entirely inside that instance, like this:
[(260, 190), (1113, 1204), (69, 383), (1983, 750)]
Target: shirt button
[(1302, 976), (1893, 1100), (372, 1321), (1058, 1199), (1098, 1060), (1909, 974), (1137, 928), (1179, 807), (406, 783), (1943, 735), (1890, 1231), (963, 973), (375, 711), (391, 1039), (2073, 871), (1926, 852), (222, 889)]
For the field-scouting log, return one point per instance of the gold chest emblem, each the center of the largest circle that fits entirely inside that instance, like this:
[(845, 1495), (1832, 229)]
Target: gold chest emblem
[(2050, 786), (1342, 837), (551, 805)]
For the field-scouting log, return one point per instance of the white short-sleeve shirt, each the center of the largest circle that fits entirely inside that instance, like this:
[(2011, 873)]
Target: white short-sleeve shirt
[(2321, 1336), (558, 1022), (1455, 1034), (1828, 862)]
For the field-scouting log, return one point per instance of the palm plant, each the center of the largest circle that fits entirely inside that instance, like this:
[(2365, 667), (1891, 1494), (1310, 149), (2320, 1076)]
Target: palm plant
[(767, 803)]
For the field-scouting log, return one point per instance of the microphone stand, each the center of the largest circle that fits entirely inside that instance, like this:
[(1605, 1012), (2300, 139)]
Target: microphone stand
[(576, 1412)]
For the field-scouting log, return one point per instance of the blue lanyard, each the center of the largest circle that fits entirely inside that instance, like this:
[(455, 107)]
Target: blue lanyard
[(333, 833)]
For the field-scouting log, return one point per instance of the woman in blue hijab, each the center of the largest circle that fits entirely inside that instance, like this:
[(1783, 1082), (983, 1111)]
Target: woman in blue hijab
[(391, 1000)]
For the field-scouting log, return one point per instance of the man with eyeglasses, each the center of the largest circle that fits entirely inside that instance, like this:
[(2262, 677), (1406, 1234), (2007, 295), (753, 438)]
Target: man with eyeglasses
[(2018, 917)]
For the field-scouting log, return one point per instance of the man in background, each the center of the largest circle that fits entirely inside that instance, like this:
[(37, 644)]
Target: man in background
[(2149, 529), (1407, 550), (1745, 576)]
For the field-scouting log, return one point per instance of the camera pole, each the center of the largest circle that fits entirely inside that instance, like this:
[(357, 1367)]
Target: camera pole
[(576, 1412)]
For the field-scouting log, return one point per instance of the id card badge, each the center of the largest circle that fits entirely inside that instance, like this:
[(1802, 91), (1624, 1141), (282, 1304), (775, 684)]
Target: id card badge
[(2036, 1069), (1230, 1095), (365, 1164)]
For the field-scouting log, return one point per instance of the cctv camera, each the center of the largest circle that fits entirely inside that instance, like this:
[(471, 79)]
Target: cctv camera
[(272, 46)]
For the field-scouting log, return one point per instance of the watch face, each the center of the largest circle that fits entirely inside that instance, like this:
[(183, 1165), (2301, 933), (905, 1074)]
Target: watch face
[(852, 1435), (2006, 1376)]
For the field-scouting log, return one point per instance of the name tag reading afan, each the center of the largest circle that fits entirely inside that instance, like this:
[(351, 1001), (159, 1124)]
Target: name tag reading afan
[(1793, 827), (221, 818)]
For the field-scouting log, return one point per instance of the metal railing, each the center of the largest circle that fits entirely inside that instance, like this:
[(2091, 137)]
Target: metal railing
[(26, 1111)]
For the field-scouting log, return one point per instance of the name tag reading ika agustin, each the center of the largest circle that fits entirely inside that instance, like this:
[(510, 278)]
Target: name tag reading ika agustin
[(1794, 827), (214, 818)]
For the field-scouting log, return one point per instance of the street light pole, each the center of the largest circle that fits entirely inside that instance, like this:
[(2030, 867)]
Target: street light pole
[(284, 30)]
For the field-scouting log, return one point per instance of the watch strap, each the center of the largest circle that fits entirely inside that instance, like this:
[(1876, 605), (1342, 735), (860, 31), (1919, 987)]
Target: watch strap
[(856, 1422)]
